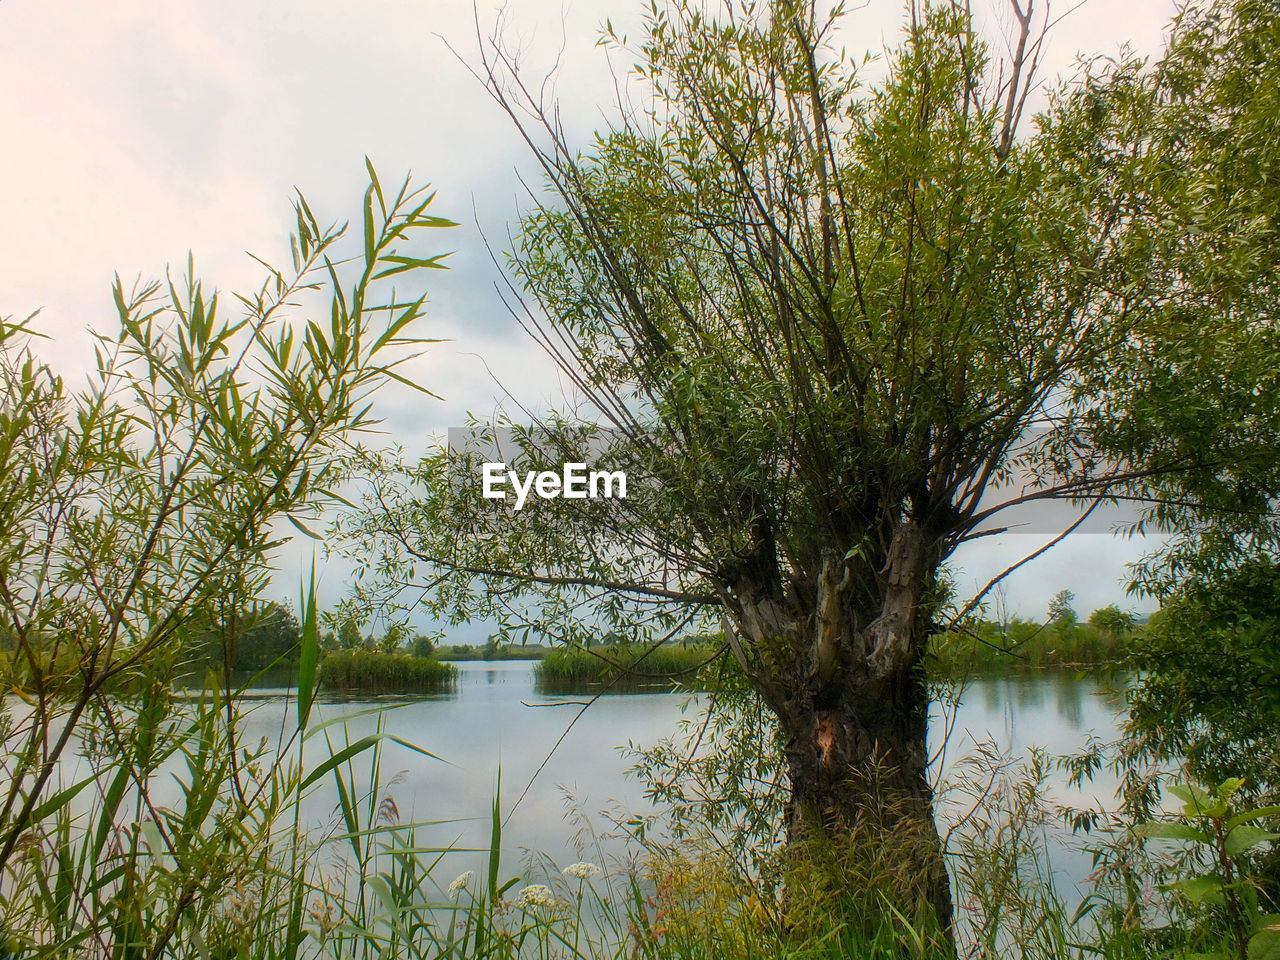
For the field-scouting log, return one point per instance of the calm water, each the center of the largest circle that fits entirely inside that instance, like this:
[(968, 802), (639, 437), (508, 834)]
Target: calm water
[(551, 764), (497, 720)]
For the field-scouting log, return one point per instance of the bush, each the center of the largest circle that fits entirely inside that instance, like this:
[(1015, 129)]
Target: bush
[(1209, 677)]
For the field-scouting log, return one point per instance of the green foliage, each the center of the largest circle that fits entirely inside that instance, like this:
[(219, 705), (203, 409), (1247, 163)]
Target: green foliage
[(837, 321), (1202, 215), (422, 646), (137, 513), (375, 671), (1061, 613), (262, 639), (492, 651), (348, 635), (1112, 620), (1013, 644), (1216, 880), (1208, 686)]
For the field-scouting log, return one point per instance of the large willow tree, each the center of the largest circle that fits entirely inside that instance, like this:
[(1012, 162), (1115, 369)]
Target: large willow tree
[(836, 327)]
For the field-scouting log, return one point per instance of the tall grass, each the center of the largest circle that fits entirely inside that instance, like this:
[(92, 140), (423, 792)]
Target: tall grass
[(623, 666), (184, 840), (371, 671), (1017, 644)]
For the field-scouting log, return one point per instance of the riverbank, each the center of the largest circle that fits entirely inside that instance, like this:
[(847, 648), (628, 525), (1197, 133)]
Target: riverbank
[(980, 648), (491, 651), (987, 647)]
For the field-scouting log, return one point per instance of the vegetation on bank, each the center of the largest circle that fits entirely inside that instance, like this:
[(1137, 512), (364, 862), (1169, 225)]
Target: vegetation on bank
[(978, 646), (624, 666), (493, 650), (371, 671), (983, 646)]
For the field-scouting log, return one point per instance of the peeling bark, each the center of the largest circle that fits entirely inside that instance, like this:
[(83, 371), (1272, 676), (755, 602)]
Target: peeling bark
[(889, 637)]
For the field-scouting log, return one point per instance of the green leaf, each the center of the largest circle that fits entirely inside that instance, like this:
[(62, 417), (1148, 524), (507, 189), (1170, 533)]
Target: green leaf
[(417, 749), (1199, 889), (411, 263), (495, 840), (1228, 788), (59, 800), (1249, 815), (1170, 831), (370, 238), (303, 527), (1246, 837), (1265, 944), (377, 187), (387, 372), (310, 653), (1197, 802), (339, 758)]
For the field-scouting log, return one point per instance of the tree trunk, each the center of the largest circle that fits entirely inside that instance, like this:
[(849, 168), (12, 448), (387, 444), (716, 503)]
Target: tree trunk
[(857, 757), (848, 686)]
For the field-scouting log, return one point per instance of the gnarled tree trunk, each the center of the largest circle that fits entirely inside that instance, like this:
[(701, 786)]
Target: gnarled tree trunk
[(847, 683), (856, 757)]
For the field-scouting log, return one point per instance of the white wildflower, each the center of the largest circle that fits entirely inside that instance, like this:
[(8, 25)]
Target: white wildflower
[(535, 895), (460, 883), (581, 871)]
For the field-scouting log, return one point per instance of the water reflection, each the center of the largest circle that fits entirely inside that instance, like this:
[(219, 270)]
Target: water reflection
[(548, 748)]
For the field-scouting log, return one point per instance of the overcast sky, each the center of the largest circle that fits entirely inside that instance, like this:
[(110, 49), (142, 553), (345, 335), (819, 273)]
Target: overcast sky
[(134, 132)]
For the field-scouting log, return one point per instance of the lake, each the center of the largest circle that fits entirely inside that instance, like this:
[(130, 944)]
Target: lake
[(552, 764), (564, 780)]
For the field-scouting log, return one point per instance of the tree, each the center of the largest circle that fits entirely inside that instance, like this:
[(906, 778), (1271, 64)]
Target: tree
[(256, 638), (423, 646), (1204, 208), (1112, 621), (834, 328), (349, 636), (1207, 203), (1061, 613), (1210, 686), (273, 638), (394, 639)]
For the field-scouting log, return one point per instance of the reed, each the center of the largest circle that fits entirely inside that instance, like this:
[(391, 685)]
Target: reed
[(1017, 644), (370, 671), (625, 666)]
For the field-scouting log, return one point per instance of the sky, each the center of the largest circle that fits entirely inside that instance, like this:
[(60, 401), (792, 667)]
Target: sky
[(135, 132)]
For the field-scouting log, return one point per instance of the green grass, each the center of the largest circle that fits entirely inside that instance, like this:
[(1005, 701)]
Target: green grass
[(369, 671)]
